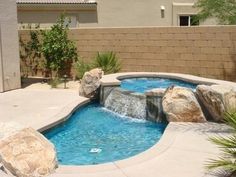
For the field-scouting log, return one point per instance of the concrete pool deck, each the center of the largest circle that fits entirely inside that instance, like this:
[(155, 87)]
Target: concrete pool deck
[(182, 151)]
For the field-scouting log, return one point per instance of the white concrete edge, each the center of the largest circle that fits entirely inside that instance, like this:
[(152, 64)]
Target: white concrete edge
[(113, 79), (63, 115)]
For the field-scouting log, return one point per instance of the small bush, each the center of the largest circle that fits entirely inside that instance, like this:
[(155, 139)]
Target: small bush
[(81, 67), (108, 62), (54, 82)]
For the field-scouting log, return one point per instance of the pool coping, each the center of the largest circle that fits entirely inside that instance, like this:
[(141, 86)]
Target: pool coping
[(160, 147), (113, 79)]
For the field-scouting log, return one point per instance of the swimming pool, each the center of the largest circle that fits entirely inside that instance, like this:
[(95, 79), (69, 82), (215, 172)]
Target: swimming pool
[(143, 84), (94, 135)]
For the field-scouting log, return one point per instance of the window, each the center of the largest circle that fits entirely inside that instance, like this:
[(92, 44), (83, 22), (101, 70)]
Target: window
[(188, 20), (73, 21)]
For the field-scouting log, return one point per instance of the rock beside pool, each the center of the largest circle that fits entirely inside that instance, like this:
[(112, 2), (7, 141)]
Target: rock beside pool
[(217, 99), (90, 83), (180, 105), (26, 153)]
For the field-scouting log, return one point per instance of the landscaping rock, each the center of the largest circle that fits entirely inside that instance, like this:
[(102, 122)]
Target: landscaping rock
[(3, 174), (180, 105), (26, 153), (90, 83), (217, 99)]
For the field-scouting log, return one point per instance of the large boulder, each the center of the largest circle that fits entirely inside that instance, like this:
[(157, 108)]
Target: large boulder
[(217, 99), (26, 153), (180, 105), (90, 83)]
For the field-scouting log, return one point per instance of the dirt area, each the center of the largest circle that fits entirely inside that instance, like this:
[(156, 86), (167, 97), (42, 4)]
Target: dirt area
[(41, 83)]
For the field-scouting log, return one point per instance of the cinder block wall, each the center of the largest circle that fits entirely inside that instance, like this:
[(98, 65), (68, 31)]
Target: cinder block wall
[(202, 51)]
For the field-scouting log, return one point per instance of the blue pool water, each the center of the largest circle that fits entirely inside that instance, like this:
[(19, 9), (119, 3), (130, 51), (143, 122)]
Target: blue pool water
[(141, 85), (95, 135)]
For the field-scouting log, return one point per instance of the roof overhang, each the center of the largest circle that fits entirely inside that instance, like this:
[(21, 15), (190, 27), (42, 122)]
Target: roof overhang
[(56, 5)]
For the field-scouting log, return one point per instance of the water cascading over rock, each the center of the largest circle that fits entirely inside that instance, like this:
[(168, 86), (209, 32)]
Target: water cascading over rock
[(154, 105), (126, 103)]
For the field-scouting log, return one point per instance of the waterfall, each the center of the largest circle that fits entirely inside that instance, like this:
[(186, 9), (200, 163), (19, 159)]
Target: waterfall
[(126, 103)]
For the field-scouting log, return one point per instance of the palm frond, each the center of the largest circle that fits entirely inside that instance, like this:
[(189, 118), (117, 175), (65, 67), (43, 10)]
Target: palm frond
[(224, 142), (226, 164), (230, 119), (227, 161), (108, 62)]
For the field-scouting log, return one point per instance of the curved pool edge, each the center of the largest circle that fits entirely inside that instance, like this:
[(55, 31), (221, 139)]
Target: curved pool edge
[(63, 115), (113, 79)]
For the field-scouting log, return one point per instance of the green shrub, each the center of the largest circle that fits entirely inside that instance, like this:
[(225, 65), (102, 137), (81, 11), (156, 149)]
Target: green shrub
[(226, 163), (81, 67), (108, 62), (54, 82), (57, 49)]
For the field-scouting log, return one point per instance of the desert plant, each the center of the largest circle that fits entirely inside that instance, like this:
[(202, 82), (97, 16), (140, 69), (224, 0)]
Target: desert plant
[(227, 162), (58, 50), (81, 67), (108, 62), (54, 82), (30, 52)]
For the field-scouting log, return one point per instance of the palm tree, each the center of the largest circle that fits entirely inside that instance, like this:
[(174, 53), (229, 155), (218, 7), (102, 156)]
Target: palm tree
[(227, 161)]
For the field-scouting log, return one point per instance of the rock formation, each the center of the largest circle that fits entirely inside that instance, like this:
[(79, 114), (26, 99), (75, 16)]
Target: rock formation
[(217, 99), (180, 105), (90, 83), (26, 153)]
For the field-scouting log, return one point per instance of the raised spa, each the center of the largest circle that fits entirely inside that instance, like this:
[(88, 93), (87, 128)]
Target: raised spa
[(144, 84), (94, 135)]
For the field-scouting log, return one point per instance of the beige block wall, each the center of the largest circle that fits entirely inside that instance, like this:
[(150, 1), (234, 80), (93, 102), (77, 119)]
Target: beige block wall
[(202, 51), (9, 47)]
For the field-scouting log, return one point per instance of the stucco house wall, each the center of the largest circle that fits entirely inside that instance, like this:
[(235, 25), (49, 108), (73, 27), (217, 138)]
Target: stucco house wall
[(9, 47), (113, 13), (47, 14)]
